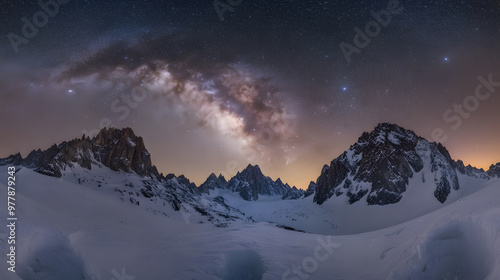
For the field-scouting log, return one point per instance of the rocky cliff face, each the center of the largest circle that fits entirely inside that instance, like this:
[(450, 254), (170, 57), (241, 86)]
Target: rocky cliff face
[(120, 150), (470, 170), (378, 167), (292, 193), (494, 170), (443, 168), (311, 189), (250, 183), (213, 182)]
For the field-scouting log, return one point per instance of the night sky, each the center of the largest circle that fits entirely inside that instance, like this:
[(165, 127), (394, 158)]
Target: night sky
[(213, 86)]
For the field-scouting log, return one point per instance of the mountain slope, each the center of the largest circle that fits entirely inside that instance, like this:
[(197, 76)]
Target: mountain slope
[(116, 160), (379, 166), (494, 171), (120, 150), (104, 208)]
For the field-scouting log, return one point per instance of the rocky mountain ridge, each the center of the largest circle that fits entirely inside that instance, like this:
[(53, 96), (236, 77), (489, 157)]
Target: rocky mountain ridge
[(122, 150), (119, 150), (379, 166), (376, 169), (250, 184)]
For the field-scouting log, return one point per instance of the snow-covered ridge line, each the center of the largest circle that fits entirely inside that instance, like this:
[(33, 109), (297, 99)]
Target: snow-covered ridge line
[(378, 167), (120, 150)]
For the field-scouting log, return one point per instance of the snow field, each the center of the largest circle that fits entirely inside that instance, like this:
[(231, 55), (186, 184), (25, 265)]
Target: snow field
[(72, 231)]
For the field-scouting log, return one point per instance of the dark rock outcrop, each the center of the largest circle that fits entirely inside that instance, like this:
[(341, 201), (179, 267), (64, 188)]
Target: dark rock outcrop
[(251, 183), (292, 193), (494, 170), (213, 182), (118, 149), (470, 170), (380, 165), (11, 160), (311, 189), (445, 175)]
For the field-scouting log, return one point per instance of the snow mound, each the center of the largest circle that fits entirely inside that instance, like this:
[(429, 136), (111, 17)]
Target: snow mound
[(244, 265), (454, 249), (50, 256)]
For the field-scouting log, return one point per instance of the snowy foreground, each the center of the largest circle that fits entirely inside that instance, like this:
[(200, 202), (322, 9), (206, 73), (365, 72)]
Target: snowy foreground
[(69, 231)]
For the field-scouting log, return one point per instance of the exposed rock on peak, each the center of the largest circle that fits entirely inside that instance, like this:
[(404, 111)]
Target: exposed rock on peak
[(251, 171), (213, 182), (379, 166), (494, 170), (311, 189), (470, 170), (292, 193), (251, 183), (118, 149), (11, 160), (122, 150)]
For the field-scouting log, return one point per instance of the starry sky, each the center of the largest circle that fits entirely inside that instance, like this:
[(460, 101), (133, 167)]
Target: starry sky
[(214, 85)]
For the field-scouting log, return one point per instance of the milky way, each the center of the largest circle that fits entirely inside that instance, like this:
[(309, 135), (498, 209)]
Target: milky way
[(270, 84)]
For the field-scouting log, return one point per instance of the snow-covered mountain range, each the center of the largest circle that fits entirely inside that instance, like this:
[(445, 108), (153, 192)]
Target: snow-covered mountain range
[(378, 167), (250, 184), (391, 185), (377, 170), (120, 150)]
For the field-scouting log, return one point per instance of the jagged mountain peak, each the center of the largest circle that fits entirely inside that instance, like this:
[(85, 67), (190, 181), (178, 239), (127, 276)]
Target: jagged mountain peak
[(109, 135), (251, 183), (311, 189), (384, 126), (212, 176), (378, 167), (118, 149), (471, 171), (15, 159), (251, 170), (213, 182), (388, 134), (222, 178), (325, 168), (184, 180), (494, 170)]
